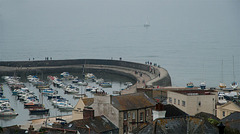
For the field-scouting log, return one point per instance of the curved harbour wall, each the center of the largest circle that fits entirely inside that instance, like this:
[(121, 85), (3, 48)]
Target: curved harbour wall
[(90, 65)]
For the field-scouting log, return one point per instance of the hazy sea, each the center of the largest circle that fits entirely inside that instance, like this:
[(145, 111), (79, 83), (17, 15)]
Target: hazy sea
[(190, 38)]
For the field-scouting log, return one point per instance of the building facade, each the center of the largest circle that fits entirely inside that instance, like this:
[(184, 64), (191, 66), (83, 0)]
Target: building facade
[(227, 109), (127, 112), (193, 101)]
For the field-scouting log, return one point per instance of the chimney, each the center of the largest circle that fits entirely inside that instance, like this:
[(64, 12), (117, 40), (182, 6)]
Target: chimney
[(159, 107), (111, 99), (221, 128), (88, 112)]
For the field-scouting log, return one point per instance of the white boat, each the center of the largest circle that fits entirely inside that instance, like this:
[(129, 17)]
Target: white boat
[(8, 112), (65, 106), (82, 83), (106, 84), (221, 99), (64, 74), (99, 81), (89, 88), (203, 85), (234, 84), (97, 90), (128, 84), (71, 90), (78, 96), (232, 94), (147, 24), (90, 76)]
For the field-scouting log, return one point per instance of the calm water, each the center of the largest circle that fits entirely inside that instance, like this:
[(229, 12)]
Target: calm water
[(23, 117), (189, 38)]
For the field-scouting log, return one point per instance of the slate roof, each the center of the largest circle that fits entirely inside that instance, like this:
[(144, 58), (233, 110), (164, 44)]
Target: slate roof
[(232, 117), (98, 124), (232, 120), (179, 125), (132, 101), (206, 116), (172, 111), (12, 130), (88, 101)]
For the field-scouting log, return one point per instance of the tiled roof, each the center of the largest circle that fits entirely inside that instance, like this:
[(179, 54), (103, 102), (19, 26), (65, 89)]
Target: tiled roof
[(232, 117), (172, 111), (132, 101), (179, 125), (12, 130), (88, 101), (98, 124), (206, 116)]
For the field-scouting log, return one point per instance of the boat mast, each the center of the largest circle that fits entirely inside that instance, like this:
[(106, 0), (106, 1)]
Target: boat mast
[(233, 70), (222, 71)]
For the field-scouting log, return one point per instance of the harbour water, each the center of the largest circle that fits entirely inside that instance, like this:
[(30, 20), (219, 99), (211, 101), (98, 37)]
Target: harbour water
[(116, 81)]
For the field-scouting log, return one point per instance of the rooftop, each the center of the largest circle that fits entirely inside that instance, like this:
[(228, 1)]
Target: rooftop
[(132, 101), (180, 125), (194, 92), (98, 124), (88, 101)]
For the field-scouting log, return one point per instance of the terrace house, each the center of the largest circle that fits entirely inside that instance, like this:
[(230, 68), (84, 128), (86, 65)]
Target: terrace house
[(127, 112)]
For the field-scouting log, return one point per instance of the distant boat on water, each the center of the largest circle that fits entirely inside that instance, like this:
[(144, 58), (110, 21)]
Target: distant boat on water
[(234, 84), (221, 84), (147, 24)]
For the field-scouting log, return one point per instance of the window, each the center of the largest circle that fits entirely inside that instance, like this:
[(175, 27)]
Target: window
[(133, 115), (199, 103), (147, 112), (125, 116), (174, 101), (183, 103), (170, 99), (141, 116), (129, 114), (178, 102), (223, 113)]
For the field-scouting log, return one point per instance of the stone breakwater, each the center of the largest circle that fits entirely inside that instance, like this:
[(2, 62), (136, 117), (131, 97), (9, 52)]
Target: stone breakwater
[(143, 74)]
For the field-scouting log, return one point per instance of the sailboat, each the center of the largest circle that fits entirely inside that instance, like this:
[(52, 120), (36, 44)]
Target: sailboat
[(203, 83), (39, 110), (234, 84), (221, 84), (147, 24)]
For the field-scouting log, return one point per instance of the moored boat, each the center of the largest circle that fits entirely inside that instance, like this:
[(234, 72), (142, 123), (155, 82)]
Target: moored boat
[(190, 85), (106, 84), (33, 105), (82, 83), (8, 112), (234, 85), (222, 85), (40, 110), (203, 85), (78, 96)]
